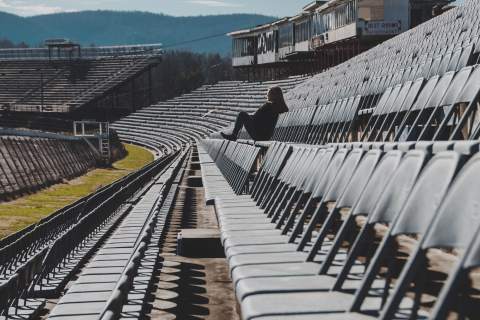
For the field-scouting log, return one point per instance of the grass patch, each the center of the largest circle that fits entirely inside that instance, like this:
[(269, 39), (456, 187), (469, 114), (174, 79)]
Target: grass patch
[(18, 214)]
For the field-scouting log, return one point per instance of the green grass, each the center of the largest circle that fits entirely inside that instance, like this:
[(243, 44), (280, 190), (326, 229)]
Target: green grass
[(18, 214)]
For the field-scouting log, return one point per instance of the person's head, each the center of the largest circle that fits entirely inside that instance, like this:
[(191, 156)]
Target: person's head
[(275, 95)]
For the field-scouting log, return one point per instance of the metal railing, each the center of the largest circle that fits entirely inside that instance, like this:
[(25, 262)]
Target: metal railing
[(86, 52), (73, 224)]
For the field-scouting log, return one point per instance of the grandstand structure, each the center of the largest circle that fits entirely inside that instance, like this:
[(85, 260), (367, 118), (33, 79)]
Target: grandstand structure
[(195, 115), (364, 204), (67, 83), (324, 34), (31, 161)]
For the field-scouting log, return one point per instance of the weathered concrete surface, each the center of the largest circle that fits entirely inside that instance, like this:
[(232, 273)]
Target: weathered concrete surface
[(192, 288), (200, 243)]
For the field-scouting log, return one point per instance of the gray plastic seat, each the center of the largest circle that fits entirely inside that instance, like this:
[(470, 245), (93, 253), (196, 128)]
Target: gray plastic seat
[(426, 198), (451, 229)]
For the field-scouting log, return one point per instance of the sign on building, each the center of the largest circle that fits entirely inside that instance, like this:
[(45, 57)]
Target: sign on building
[(383, 27)]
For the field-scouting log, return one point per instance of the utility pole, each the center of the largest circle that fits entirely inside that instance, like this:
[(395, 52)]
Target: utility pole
[(41, 91)]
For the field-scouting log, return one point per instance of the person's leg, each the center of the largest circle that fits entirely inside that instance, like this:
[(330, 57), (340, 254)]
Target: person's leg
[(243, 120)]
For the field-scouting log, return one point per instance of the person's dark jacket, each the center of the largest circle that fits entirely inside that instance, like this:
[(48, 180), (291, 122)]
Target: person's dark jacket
[(266, 118)]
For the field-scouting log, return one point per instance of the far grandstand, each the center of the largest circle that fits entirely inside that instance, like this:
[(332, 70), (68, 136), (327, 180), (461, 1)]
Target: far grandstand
[(362, 205), (63, 79)]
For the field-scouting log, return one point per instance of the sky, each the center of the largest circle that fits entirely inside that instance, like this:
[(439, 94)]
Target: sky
[(277, 8)]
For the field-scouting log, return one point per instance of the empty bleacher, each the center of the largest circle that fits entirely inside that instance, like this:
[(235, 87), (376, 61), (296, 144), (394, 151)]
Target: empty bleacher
[(29, 163), (363, 206), (124, 265), (395, 92), (344, 231), (116, 230), (63, 86), (169, 125)]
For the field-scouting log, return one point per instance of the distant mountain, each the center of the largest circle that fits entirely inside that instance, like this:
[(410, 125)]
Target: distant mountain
[(116, 28), (19, 29)]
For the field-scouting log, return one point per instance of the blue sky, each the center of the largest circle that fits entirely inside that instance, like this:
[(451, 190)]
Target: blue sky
[(278, 8), (171, 7)]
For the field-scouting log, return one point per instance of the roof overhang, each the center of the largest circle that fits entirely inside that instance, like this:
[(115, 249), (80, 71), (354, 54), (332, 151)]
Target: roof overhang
[(240, 33), (300, 16), (312, 6), (281, 21), (329, 4)]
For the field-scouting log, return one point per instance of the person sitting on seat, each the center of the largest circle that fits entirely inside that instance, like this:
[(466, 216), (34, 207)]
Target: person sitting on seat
[(261, 125)]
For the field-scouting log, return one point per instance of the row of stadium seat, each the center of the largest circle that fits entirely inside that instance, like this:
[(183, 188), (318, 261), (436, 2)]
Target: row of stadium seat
[(440, 108), (395, 92), (442, 45), (29, 164), (446, 43), (169, 125), (14, 292), (286, 243), (62, 242), (63, 86), (236, 161), (119, 303), (109, 280)]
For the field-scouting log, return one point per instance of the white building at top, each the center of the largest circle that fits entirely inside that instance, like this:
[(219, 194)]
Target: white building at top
[(347, 26)]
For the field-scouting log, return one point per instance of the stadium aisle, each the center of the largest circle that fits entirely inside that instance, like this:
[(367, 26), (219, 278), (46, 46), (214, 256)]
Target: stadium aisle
[(191, 288)]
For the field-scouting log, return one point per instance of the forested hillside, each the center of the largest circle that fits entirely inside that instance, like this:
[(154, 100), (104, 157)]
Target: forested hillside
[(114, 28)]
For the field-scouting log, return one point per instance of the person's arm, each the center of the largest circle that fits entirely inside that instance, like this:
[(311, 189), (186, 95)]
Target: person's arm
[(262, 110)]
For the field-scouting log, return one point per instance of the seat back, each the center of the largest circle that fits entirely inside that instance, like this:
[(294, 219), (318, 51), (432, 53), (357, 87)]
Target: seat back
[(344, 175), (384, 172), (397, 191), (320, 187), (313, 163), (458, 218), (360, 178), (456, 87), (412, 95), (319, 170), (469, 95), (427, 194)]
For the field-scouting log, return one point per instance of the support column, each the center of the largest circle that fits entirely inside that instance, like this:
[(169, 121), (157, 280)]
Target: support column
[(150, 97), (132, 89)]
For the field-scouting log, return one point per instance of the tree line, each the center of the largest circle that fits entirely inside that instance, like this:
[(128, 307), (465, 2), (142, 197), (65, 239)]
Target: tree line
[(8, 44), (181, 72)]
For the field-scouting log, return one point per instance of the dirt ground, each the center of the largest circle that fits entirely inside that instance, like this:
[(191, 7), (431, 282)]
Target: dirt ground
[(191, 288)]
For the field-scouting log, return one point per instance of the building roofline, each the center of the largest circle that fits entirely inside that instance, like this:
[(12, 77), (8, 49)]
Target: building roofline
[(300, 16), (257, 28), (329, 4), (239, 32), (286, 19), (312, 6)]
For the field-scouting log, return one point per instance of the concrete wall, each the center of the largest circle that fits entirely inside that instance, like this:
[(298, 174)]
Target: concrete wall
[(28, 164)]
